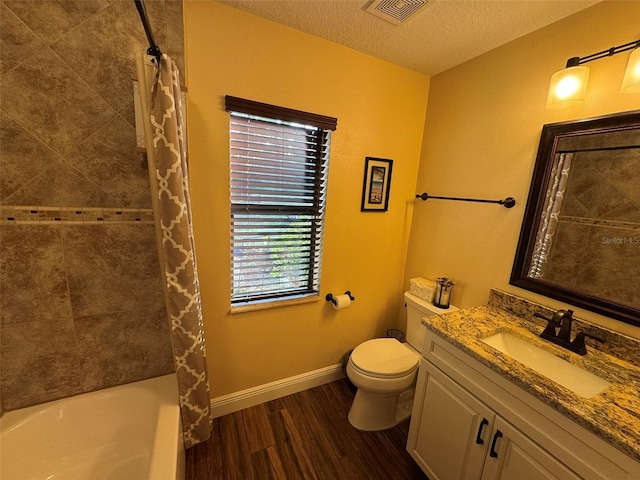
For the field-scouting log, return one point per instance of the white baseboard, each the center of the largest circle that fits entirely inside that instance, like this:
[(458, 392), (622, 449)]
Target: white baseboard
[(234, 402)]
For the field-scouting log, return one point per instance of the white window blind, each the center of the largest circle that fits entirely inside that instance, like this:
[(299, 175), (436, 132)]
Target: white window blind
[(278, 191)]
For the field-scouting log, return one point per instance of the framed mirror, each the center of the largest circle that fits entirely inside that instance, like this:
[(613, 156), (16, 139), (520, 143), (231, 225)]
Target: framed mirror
[(580, 237)]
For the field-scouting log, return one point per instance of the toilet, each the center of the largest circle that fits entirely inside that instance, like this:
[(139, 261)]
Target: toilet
[(385, 370)]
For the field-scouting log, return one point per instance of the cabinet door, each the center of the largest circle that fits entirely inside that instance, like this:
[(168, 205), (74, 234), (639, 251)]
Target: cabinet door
[(512, 456), (452, 431)]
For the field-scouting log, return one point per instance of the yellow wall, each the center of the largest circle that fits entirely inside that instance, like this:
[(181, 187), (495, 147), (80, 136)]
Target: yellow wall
[(483, 125), (380, 109)]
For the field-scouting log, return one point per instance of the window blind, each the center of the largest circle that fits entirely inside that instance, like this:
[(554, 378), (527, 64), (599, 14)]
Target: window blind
[(278, 191)]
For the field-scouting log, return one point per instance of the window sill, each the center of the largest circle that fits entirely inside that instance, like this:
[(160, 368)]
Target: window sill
[(274, 304)]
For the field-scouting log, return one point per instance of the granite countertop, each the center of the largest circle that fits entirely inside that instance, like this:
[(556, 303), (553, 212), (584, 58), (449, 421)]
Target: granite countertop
[(613, 414)]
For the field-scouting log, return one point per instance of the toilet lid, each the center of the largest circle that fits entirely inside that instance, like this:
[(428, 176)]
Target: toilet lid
[(384, 356)]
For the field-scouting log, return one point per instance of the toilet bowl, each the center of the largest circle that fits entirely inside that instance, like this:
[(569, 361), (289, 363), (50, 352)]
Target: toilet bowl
[(381, 369), (385, 370)]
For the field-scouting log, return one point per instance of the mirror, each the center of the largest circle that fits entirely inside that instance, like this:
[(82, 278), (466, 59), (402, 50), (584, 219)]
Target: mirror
[(580, 237)]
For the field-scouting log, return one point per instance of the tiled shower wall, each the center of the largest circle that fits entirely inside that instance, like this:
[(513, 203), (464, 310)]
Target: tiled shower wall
[(597, 250), (81, 300)]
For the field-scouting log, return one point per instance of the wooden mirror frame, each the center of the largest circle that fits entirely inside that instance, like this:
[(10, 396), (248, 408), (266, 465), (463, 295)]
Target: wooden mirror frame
[(551, 133)]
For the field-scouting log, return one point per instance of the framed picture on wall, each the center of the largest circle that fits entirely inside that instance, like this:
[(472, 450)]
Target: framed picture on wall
[(376, 186)]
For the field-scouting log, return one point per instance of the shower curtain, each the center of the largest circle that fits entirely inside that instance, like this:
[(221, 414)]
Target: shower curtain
[(167, 158), (549, 221)]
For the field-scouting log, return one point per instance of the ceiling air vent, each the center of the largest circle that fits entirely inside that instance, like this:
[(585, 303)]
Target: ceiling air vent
[(397, 11)]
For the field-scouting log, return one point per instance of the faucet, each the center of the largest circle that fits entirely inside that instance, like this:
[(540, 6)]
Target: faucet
[(563, 319), (566, 322)]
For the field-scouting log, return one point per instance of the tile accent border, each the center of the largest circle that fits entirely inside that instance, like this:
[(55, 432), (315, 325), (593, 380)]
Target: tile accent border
[(600, 222), (27, 215)]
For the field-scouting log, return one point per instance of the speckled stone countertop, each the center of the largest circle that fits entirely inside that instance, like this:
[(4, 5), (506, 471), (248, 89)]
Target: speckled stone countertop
[(613, 414)]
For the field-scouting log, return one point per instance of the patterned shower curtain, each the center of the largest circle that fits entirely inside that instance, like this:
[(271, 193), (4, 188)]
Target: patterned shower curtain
[(169, 153), (549, 221)]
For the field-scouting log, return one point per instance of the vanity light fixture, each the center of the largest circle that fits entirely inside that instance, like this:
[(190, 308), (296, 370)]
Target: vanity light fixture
[(631, 80), (568, 86)]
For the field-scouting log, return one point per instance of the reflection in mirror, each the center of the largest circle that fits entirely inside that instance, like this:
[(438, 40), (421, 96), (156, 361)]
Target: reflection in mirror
[(580, 239)]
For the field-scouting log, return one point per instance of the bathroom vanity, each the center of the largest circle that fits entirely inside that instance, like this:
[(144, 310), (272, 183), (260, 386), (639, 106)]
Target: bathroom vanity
[(480, 414)]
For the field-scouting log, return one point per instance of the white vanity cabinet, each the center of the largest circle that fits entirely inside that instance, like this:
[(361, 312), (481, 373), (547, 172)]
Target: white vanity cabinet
[(456, 436), (513, 456), (469, 423), (448, 436)]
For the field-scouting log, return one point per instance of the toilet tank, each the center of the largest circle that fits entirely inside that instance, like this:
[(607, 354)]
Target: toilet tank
[(417, 309)]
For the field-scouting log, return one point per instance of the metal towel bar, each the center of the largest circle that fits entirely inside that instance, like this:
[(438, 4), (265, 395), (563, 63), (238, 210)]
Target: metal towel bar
[(508, 202)]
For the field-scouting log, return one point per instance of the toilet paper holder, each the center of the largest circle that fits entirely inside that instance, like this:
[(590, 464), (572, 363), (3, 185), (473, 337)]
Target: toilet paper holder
[(330, 297)]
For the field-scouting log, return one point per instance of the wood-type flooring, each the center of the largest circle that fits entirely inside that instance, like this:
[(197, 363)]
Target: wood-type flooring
[(301, 436)]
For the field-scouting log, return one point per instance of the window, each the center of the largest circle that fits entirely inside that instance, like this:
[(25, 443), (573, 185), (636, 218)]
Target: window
[(279, 160)]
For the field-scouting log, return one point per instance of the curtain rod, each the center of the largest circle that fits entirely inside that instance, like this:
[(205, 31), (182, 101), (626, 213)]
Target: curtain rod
[(153, 49), (508, 202)]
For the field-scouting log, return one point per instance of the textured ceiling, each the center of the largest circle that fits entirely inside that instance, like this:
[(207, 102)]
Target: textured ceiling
[(441, 36)]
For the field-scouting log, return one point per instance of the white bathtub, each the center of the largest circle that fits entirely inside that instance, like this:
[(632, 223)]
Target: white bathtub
[(130, 432)]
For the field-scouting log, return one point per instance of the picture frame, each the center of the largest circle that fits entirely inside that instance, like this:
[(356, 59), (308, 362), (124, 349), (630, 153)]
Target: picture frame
[(376, 184)]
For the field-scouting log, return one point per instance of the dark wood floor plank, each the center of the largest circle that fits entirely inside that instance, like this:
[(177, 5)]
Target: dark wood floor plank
[(257, 428), (289, 443), (403, 428), (344, 391), (332, 413), (323, 457), (392, 454), (389, 445), (353, 467), (201, 462), (378, 456), (302, 436), (397, 438), (205, 459), (301, 409), (274, 405), (236, 458), (376, 468), (267, 464)]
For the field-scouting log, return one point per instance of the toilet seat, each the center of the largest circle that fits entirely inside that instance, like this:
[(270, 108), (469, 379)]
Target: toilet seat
[(384, 358)]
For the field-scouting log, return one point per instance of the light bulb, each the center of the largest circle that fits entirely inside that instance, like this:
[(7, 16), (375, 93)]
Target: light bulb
[(631, 80), (568, 87)]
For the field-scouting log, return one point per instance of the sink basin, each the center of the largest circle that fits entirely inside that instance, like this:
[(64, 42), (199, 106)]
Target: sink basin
[(568, 375)]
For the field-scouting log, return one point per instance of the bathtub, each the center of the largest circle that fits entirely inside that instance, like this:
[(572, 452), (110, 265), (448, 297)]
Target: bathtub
[(129, 432)]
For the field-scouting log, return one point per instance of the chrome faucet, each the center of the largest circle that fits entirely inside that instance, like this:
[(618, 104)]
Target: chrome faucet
[(563, 319)]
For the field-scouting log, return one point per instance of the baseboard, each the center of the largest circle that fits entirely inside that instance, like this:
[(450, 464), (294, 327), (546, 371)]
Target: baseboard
[(234, 402)]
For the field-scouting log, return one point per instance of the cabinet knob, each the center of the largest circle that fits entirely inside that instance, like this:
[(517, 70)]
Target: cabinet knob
[(496, 436), (483, 424)]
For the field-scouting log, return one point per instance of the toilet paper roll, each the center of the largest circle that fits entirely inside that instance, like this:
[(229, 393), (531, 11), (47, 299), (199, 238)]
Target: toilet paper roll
[(341, 301)]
